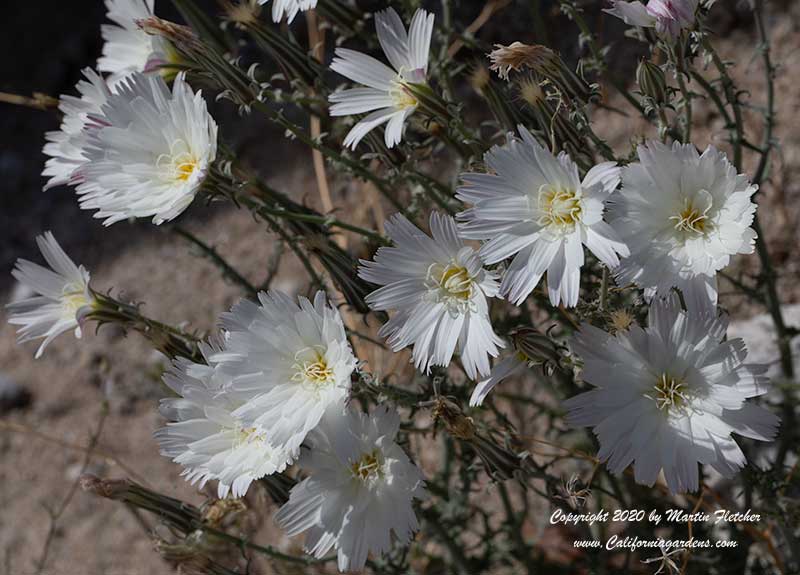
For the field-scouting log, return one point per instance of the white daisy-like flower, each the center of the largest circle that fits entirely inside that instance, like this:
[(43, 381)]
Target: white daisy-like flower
[(148, 152), (669, 396), (65, 146), (128, 48), (64, 295), (668, 17), (359, 493), (535, 207), (289, 8), (291, 358), (206, 436), (683, 215), (439, 289), (384, 93)]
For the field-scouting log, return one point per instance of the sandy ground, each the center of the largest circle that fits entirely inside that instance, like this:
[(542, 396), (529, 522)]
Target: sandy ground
[(42, 456)]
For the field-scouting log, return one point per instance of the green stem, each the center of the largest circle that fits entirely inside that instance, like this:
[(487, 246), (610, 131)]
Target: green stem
[(304, 137), (324, 221), (680, 67), (212, 254), (729, 89)]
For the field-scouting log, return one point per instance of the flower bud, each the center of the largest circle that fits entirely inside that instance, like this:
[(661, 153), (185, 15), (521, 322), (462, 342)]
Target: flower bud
[(536, 348), (652, 82)]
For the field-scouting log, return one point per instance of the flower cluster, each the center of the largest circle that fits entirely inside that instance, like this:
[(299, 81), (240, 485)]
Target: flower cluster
[(130, 146), (276, 387)]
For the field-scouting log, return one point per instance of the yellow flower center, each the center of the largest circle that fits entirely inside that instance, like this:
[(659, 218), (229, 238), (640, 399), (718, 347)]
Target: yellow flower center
[(314, 373), (179, 164), (401, 96), (558, 207), (369, 466), (693, 218), (452, 280), (670, 393), (73, 299), (248, 435)]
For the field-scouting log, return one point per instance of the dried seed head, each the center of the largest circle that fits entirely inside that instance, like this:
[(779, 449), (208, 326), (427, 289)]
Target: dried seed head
[(181, 36), (621, 320), (530, 91), (220, 511), (518, 56), (242, 12)]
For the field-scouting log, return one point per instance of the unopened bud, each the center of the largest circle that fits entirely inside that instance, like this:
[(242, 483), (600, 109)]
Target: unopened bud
[(536, 348), (457, 424), (231, 81), (652, 82), (108, 488)]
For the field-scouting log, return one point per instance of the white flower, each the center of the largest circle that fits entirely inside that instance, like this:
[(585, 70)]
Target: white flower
[(292, 359), (384, 93), (505, 368), (359, 493), (439, 288), (205, 435), (683, 215), (63, 290), (289, 7), (535, 207), (668, 17), (669, 396), (65, 146), (148, 152), (127, 47)]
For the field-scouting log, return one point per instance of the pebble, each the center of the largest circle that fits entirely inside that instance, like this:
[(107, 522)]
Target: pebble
[(13, 395)]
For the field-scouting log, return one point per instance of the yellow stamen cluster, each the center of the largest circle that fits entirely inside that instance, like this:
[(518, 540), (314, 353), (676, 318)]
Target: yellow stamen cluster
[(453, 280), (246, 435), (401, 96), (314, 373), (670, 393), (179, 164), (369, 466), (73, 298), (692, 219), (558, 207)]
